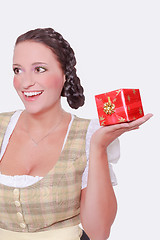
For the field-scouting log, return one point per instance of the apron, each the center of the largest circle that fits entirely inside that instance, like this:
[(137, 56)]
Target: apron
[(67, 233)]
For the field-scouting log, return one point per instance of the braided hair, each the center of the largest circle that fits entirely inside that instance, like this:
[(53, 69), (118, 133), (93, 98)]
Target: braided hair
[(72, 88)]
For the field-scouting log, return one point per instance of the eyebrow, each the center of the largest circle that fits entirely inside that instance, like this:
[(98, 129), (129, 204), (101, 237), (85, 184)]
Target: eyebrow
[(33, 64), (15, 64), (37, 63)]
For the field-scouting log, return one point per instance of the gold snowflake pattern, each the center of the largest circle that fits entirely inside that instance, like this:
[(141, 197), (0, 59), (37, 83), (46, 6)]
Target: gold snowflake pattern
[(121, 119), (115, 99), (140, 111), (101, 118), (103, 123), (118, 91), (134, 91), (129, 99)]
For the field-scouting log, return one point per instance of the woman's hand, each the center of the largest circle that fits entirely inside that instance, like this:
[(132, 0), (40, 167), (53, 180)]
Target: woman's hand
[(99, 194), (105, 135)]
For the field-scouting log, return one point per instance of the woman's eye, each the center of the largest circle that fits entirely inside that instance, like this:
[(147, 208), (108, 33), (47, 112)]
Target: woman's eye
[(17, 70), (40, 69)]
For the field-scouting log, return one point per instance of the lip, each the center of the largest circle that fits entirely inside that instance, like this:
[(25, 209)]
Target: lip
[(31, 98)]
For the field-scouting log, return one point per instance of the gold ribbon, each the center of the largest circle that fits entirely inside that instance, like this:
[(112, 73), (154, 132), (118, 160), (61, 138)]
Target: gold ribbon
[(109, 107)]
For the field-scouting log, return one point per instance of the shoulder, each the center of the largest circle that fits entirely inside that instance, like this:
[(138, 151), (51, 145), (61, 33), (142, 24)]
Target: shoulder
[(81, 120), (81, 124), (91, 124), (6, 116), (94, 125)]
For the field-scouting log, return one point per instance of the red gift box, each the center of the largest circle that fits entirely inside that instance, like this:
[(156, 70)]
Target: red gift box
[(122, 105)]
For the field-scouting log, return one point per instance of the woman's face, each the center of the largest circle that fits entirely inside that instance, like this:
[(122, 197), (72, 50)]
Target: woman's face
[(38, 78)]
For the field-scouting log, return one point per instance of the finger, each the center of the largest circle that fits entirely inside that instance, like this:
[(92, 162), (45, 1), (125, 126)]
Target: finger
[(123, 127), (137, 122), (130, 129), (140, 121)]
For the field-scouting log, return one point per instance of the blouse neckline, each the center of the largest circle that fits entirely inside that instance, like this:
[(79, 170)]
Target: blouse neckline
[(10, 128)]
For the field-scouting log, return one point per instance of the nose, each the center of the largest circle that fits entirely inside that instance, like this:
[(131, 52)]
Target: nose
[(28, 81)]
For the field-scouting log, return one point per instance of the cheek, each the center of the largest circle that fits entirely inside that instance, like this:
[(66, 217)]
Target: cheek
[(16, 83), (54, 82)]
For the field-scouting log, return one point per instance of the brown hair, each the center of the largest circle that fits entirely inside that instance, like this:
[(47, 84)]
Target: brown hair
[(72, 88)]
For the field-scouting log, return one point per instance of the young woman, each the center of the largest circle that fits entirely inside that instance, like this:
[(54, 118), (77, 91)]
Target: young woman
[(55, 169)]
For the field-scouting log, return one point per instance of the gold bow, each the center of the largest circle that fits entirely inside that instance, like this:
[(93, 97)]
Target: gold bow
[(109, 107)]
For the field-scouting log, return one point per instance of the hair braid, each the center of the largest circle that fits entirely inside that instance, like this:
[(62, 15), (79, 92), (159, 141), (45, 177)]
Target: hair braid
[(72, 88)]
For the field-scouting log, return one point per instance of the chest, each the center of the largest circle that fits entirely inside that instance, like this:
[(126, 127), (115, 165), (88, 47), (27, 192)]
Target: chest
[(24, 157), (54, 201)]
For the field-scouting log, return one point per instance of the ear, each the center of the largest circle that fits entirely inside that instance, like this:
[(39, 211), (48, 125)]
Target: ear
[(64, 78)]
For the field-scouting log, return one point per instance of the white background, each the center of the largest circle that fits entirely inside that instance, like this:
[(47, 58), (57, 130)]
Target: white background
[(117, 45)]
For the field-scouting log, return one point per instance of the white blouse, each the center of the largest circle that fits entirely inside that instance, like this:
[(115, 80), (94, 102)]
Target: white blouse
[(21, 181)]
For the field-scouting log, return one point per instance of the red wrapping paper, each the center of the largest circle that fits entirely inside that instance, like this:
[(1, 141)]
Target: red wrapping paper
[(122, 105)]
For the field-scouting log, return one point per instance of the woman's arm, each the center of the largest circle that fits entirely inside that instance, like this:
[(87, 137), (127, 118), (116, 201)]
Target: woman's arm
[(98, 201)]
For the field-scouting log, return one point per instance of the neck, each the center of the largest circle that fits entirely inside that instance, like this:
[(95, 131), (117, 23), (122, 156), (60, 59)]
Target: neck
[(42, 121)]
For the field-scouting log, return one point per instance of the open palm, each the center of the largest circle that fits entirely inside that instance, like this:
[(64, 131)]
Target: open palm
[(107, 134)]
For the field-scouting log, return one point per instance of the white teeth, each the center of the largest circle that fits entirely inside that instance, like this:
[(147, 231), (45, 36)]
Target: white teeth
[(30, 94)]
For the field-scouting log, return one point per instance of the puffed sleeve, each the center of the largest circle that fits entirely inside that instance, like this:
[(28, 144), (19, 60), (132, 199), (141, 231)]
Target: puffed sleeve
[(113, 153)]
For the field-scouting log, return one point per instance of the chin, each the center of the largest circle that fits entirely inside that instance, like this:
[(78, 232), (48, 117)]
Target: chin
[(32, 110), (41, 107), (37, 111)]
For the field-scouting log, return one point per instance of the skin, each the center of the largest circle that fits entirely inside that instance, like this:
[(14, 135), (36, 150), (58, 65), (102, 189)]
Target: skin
[(37, 69), (98, 201), (40, 115)]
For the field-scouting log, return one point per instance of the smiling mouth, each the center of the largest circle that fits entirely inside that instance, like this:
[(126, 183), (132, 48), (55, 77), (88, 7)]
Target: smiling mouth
[(32, 94)]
